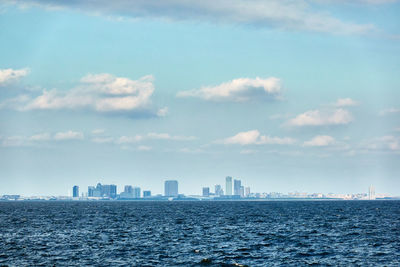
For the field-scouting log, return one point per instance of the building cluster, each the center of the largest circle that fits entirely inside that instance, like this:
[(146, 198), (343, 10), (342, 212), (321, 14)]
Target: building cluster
[(104, 191), (239, 191), (234, 190)]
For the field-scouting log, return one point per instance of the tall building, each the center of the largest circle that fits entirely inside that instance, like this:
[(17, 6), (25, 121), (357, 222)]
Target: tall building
[(103, 191), (128, 189), (236, 187), (247, 192), (228, 186), (371, 193), (147, 193), (136, 192), (109, 190), (242, 191), (171, 188), (206, 191), (218, 190), (128, 192), (75, 191), (91, 190)]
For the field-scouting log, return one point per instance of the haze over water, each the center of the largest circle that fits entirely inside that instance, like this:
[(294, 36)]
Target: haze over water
[(200, 233)]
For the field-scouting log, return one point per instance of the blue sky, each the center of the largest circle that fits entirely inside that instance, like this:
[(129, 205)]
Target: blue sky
[(285, 95)]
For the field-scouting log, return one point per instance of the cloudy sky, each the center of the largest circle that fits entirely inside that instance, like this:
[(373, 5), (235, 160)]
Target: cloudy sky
[(286, 95)]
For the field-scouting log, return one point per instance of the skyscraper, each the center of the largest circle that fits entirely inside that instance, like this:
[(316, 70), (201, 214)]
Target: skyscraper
[(236, 187), (136, 192), (147, 193), (242, 191), (128, 192), (103, 191), (371, 193), (228, 186), (109, 190), (247, 192), (218, 190), (91, 191), (171, 188), (75, 191), (128, 189), (206, 191)]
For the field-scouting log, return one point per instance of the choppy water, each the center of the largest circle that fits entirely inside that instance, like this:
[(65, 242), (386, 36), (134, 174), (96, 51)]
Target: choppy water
[(200, 233)]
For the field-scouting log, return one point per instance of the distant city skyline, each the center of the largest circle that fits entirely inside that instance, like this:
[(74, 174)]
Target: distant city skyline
[(109, 192), (171, 192), (282, 95), (240, 192)]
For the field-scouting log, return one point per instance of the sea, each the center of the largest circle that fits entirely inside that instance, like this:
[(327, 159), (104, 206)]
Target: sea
[(200, 233)]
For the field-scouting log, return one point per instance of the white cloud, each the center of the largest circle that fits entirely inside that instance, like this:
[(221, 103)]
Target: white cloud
[(129, 139), (98, 131), (320, 140), (345, 102), (291, 15), (102, 140), (98, 92), (7, 75), (255, 138), (317, 118), (242, 89), (33, 140), (166, 136), (40, 137), (153, 136), (388, 142), (389, 111), (69, 135)]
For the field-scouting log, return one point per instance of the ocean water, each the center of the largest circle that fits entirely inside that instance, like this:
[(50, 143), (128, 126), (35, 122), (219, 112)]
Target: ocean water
[(364, 233)]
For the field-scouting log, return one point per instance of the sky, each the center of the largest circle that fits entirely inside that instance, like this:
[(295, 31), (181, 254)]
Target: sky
[(285, 95)]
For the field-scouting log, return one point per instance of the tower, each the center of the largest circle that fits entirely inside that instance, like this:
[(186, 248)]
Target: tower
[(371, 193), (171, 188), (75, 191), (228, 186), (236, 187)]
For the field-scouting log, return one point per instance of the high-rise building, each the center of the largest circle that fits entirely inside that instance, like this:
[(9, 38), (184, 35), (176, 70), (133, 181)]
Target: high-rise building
[(218, 190), (228, 186), (128, 189), (136, 192), (91, 191), (109, 190), (171, 188), (242, 191), (236, 187), (247, 192), (371, 193), (128, 192), (75, 191), (103, 191), (206, 191), (98, 191), (147, 193)]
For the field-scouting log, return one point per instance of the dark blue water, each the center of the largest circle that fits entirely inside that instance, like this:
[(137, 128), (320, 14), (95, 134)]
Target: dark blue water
[(200, 233)]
